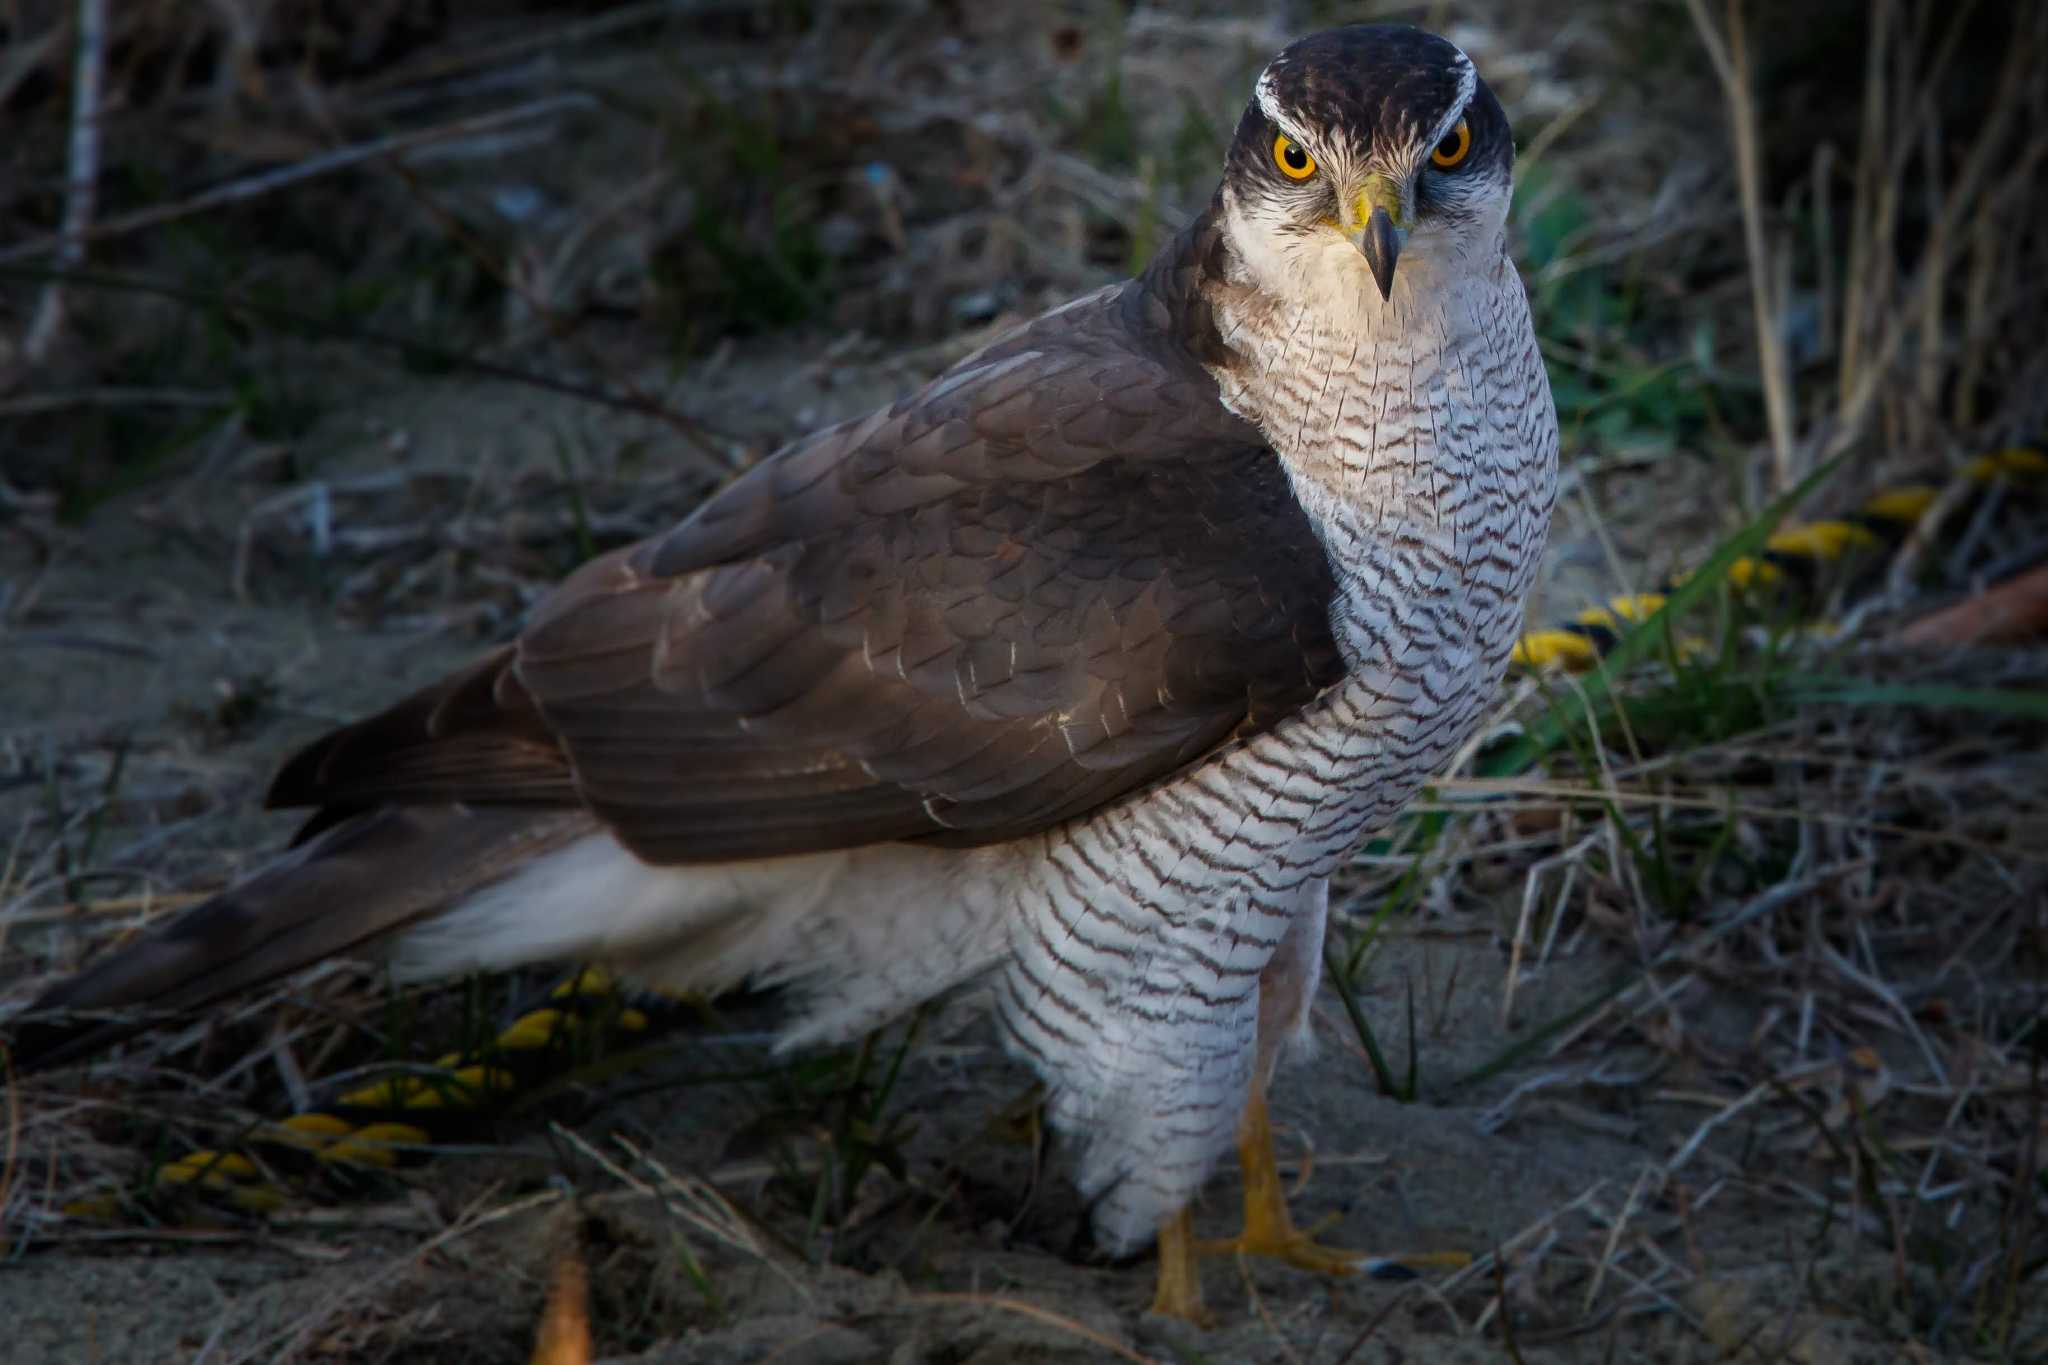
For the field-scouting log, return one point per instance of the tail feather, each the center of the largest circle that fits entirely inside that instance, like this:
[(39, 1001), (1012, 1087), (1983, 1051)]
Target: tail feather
[(338, 893)]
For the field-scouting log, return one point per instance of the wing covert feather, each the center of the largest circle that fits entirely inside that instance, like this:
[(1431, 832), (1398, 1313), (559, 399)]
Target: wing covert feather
[(1057, 573)]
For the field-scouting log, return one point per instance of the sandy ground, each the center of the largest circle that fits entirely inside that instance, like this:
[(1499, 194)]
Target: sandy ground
[(148, 688), (137, 638)]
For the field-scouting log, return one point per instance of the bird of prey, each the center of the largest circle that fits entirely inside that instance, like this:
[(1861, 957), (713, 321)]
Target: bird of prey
[(1076, 672)]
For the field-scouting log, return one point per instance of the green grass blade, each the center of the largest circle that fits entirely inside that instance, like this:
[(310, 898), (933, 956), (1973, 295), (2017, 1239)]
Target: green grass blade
[(2024, 703), (1382, 1074), (1548, 732)]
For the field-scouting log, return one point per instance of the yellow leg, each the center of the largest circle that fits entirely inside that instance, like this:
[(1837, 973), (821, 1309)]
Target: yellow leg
[(1269, 1229), (1180, 1283)]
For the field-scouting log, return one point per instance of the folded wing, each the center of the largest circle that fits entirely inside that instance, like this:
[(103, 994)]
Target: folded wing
[(1054, 575)]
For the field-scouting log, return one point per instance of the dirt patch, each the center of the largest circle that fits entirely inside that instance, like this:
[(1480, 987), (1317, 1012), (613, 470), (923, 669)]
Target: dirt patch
[(976, 1250), (1789, 1111)]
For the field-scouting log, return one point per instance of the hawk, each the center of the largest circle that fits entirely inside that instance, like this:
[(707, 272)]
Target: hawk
[(1075, 672)]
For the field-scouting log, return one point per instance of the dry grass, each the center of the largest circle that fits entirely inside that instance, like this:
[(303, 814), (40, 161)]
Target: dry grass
[(1832, 930), (1816, 911)]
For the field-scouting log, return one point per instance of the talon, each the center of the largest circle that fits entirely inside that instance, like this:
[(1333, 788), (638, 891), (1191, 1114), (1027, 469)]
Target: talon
[(1299, 1250), (1411, 1267), (1179, 1294), (1269, 1229)]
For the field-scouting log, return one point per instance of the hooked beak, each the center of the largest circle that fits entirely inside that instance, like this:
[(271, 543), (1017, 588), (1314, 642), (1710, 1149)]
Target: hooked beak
[(1372, 224)]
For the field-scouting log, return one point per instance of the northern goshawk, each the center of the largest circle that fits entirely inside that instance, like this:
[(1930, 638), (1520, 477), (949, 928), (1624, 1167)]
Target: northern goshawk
[(1075, 672)]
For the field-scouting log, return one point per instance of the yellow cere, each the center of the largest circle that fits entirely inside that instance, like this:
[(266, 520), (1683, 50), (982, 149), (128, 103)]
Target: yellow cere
[(1292, 158)]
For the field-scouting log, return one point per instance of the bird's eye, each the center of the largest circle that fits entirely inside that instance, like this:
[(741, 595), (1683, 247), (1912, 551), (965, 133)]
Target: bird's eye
[(1453, 148), (1294, 163)]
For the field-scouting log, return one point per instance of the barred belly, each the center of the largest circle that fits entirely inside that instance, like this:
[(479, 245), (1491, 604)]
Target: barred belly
[(1426, 461), (1137, 947)]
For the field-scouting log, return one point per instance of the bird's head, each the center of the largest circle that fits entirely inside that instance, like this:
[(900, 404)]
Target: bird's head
[(1371, 159)]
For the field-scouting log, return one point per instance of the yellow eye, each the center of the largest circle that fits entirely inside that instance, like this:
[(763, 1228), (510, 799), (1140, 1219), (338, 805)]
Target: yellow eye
[(1452, 149), (1294, 163)]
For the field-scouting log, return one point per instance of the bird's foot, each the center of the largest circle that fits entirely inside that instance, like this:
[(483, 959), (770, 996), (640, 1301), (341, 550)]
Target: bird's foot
[(1269, 1231), (1179, 1294), (1290, 1244), (1269, 1228), (1281, 1241)]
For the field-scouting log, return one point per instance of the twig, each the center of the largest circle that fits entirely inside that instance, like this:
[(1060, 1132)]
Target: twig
[(8, 1165), (1628, 1208), (81, 189), (1287, 1352), (250, 187), (1709, 1124), (1730, 56), (1025, 1309), (693, 1201), (563, 1337), (2013, 610), (286, 1343), (1905, 563), (723, 452), (113, 396), (25, 57), (1871, 292)]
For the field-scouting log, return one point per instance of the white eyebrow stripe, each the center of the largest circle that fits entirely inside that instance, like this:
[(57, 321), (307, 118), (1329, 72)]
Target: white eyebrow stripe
[(1267, 94), (1468, 86), (1269, 105)]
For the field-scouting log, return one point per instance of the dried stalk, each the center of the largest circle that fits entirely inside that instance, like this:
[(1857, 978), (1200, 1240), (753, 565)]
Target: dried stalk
[(81, 187), (250, 187), (1730, 55)]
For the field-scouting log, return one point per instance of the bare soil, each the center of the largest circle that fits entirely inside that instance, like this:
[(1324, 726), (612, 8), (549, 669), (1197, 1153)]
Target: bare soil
[(134, 651), (1653, 1177)]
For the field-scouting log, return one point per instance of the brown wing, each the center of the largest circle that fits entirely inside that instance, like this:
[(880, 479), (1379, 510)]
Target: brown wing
[(1059, 572)]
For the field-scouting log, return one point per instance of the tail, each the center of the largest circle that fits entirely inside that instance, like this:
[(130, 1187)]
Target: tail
[(342, 891)]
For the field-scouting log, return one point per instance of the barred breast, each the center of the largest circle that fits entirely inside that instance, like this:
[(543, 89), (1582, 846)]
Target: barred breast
[(1425, 455)]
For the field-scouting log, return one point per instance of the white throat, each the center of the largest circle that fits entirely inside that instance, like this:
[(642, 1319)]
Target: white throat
[(1351, 388), (1417, 428)]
